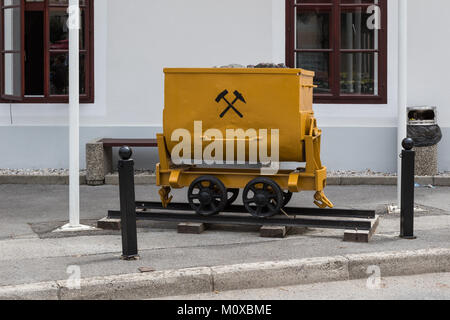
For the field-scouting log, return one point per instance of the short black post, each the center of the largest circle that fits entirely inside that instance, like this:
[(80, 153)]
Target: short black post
[(407, 194), (127, 205)]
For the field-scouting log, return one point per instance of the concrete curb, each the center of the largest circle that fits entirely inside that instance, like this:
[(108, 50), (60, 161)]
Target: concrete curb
[(439, 181), (41, 180), (113, 179), (238, 277)]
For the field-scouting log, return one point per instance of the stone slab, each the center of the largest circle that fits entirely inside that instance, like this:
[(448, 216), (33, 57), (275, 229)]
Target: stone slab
[(39, 180), (441, 181), (113, 179)]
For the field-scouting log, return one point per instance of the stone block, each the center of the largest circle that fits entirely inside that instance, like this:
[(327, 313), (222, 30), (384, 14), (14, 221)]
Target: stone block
[(191, 228), (427, 161), (109, 224), (98, 162), (442, 181), (273, 232)]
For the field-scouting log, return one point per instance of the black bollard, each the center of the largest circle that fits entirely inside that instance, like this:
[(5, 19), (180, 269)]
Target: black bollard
[(407, 194), (127, 205)]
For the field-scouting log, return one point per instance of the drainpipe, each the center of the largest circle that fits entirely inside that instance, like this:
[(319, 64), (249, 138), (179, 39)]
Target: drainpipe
[(402, 83)]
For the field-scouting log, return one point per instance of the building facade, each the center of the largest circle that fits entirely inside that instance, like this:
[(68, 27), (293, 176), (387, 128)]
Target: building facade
[(126, 44)]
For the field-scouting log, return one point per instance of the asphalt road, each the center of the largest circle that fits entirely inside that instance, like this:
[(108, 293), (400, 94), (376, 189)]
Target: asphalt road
[(422, 287)]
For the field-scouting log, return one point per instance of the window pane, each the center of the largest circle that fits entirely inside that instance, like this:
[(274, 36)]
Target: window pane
[(13, 74), (355, 33), (319, 63), (12, 30), (59, 32), (12, 3), (12, 61), (59, 74), (313, 30), (359, 73)]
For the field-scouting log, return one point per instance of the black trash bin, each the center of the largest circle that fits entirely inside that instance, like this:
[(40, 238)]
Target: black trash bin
[(426, 133)]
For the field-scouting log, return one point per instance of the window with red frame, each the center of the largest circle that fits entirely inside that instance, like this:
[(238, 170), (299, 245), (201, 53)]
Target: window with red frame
[(345, 43), (35, 51)]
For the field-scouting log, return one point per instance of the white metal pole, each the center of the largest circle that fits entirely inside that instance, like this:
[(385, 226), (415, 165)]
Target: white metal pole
[(402, 83), (74, 118)]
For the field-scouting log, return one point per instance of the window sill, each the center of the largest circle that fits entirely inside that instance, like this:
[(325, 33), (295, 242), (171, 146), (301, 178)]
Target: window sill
[(349, 99), (52, 100)]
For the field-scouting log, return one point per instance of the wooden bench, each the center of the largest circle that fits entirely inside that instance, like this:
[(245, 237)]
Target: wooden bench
[(99, 156), (149, 143)]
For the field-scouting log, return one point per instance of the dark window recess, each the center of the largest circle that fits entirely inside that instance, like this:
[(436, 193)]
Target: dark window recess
[(34, 53)]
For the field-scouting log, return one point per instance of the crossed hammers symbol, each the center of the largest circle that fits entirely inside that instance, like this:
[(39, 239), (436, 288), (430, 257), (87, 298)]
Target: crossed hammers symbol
[(223, 95)]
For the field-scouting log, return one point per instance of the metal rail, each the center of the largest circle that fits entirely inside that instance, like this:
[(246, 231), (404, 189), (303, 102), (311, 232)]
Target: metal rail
[(248, 220), (315, 212), (320, 218)]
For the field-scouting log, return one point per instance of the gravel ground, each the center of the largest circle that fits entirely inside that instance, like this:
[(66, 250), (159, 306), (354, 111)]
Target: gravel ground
[(64, 172), (370, 173), (51, 172), (33, 172), (367, 173)]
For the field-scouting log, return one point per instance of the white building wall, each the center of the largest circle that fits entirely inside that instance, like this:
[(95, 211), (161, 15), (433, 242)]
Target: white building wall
[(429, 52), (257, 34), (177, 33), (429, 64), (135, 40)]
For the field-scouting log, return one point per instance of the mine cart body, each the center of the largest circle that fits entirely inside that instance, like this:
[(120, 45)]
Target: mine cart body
[(247, 99), (275, 99)]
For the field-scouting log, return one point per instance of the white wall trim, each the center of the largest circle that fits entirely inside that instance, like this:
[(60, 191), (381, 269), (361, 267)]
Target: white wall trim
[(278, 31)]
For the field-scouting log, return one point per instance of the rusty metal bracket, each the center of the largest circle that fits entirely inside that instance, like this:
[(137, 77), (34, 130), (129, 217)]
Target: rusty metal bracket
[(166, 198), (322, 201)]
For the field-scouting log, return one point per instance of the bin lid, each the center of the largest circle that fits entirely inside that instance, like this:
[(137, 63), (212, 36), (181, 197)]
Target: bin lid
[(423, 115), (422, 108)]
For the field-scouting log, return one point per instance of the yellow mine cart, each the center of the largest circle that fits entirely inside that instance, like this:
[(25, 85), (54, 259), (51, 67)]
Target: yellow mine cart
[(261, 111)]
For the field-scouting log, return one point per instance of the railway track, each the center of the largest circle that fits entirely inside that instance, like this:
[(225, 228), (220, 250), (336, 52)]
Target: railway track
[(344, 219)]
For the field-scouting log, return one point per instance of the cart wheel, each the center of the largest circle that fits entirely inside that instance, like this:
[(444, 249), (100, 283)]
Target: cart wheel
[(207, 196), (263, 198), (287, 196), (232, 194)]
